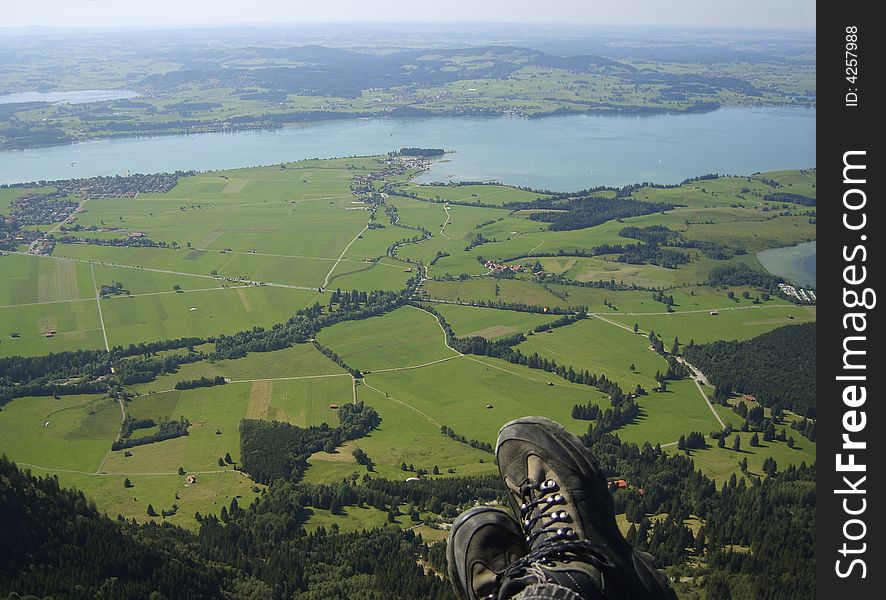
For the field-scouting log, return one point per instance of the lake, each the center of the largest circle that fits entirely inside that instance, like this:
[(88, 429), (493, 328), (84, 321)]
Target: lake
[(69, 97), (795, 263), (558, 153)]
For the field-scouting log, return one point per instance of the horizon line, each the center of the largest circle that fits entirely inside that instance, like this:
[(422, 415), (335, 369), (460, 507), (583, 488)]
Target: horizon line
[(279, 25)]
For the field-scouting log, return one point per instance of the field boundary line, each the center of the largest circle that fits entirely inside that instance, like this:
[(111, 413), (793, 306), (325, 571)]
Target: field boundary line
[(251, 282), (605, 320), (98, 302), (406, 404), (440, 325), (427, 364), (286, 378), (711, 406), (89, 299), (126, 473), (342, 255), (505, 370), (697, 310), (448, 217)]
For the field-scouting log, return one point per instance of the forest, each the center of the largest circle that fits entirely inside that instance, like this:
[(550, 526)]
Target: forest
[(777, 368), (583, 212), (263, 550)]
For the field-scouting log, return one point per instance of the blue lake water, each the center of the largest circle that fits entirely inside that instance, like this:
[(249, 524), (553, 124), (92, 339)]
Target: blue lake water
[(558, 153), (795, 263), (69, 97)]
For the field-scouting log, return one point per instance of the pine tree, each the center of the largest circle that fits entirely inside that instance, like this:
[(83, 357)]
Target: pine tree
[(151, 511), (736, 443), (127, 483)]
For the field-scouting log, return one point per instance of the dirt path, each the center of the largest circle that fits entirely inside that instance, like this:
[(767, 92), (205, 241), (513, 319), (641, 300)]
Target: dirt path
[(406, 404), (98, 302), (169, 272), (697, 376), (711, 406), (448, 218), (342, 255)]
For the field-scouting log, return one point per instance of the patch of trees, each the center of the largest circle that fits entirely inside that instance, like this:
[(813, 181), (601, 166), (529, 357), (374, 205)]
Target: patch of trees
[(485, 446), (261, 550), (653, 255), (124, 242), (114, 289), (190, 384), (89, 371), (440, 254), (42, 521), (653, 234), (741, 274), (777, 367), (328, 353), (609, 419), (561, 322), (518, 307), (693, 441), (775, 517), (168, 430), (129, 425), (659, 235), (477, 240), (363, 459), (806, 427), (583, 212), (426, 152), (791, 198), (271, 450)]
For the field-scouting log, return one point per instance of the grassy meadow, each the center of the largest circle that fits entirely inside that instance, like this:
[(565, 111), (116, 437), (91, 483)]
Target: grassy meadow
[(249, 247)]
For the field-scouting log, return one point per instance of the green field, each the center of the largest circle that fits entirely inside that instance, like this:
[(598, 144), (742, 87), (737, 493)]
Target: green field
[(404, 338), (73, 433), (728, 324), (488, 322), (493, 195), (253, 246), (601, 348)]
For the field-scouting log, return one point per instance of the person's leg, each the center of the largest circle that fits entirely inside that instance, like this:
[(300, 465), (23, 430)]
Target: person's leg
[(566, 513), (483, 543)]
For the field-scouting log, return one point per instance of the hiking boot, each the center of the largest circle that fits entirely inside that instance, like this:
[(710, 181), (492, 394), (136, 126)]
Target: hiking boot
[(567, 516), (483, 542)]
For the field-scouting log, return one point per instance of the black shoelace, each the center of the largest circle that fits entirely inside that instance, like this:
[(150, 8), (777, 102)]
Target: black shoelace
[(540, 516)]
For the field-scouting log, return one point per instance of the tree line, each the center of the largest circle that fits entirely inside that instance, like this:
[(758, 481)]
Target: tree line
[(272, 450), (777, 367)]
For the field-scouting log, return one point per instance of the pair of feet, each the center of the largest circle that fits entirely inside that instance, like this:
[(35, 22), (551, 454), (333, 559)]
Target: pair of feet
[(566, 536)]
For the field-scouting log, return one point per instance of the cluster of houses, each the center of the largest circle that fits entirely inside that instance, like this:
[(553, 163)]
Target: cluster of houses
[(495, 267), (394, 165), (21, 237), (800, 294), (119, 187), (41, 209)]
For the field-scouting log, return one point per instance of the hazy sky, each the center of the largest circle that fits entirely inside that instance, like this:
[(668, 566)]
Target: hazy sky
[(762, 14)]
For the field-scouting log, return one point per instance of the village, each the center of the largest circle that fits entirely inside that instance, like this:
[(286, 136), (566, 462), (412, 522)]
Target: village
[(801, 295)]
